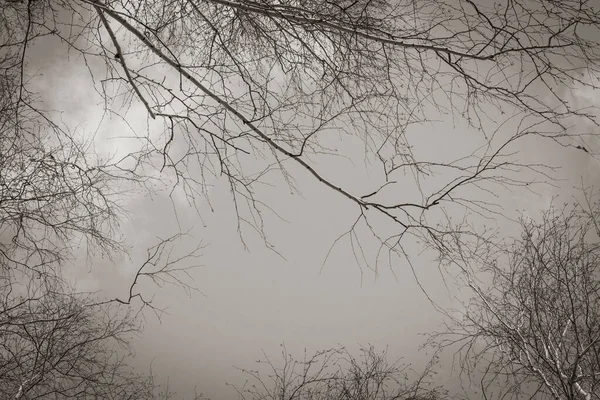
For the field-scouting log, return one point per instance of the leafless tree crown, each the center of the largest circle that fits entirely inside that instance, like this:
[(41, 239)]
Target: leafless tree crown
[(535, 330), (231, 82)]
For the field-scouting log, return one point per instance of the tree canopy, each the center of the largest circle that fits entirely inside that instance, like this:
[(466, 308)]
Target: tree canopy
[(243, 89), (271, 92), (533, 329)]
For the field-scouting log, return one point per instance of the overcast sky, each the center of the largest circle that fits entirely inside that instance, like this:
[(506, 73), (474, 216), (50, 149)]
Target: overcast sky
[(253, 300)]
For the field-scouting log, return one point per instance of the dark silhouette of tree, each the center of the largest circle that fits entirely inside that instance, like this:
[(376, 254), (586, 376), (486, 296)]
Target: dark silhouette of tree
[(58, 343), (338, 374), (244, 88), (55, 344), (56, 194), (534, 328)]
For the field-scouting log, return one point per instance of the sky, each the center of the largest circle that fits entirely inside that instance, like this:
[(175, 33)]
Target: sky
[(252, 300)]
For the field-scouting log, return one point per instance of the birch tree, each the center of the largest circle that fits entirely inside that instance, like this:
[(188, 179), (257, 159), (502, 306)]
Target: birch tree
[(534, 330)]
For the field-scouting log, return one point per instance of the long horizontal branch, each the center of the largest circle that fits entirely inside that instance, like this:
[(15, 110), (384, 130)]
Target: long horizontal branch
[(390, 38)]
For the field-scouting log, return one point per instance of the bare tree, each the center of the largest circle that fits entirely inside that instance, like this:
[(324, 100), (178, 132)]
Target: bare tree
[(57, 343), (534, 329), (337, 374), (55, 194), (285, 82), (242, 88), (54, 191)]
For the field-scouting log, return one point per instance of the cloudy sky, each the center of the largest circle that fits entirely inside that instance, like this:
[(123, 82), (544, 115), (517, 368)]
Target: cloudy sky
[(252, 300)]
